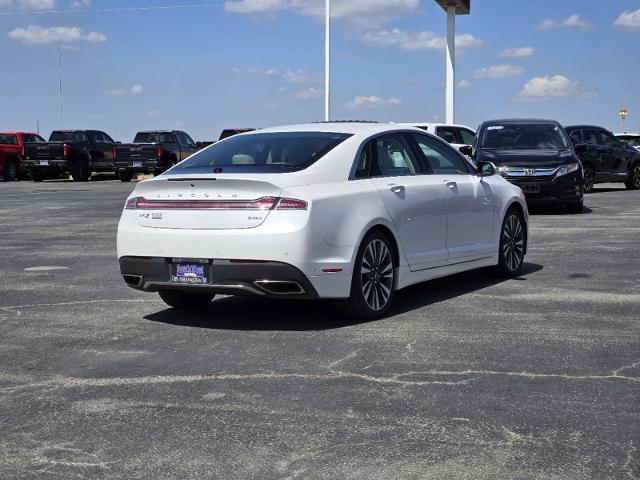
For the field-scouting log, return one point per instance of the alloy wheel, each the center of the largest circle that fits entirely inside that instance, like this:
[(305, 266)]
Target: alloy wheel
[(376, 273), (635, 179), (513, 242), (589, 180)]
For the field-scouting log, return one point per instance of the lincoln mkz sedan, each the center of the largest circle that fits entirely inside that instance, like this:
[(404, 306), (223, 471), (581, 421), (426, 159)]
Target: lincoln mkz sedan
[(350, 211)]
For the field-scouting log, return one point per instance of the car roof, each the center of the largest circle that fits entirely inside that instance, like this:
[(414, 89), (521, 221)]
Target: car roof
[(352, 128), (158, 131), (433, 125), (516, 121), (22, 133), (627, 134), (572, 127)]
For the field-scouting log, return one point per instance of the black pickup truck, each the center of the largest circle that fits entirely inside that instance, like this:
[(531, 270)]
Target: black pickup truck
[(79, 152), (153, 152)]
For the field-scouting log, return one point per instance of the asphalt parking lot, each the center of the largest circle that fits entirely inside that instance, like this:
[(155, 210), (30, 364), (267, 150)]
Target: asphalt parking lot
[(470, 378)]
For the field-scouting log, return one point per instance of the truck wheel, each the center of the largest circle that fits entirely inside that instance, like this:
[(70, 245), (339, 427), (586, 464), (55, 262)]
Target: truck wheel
[(125, 176), (36, 176), (10, 173), (81, 172)]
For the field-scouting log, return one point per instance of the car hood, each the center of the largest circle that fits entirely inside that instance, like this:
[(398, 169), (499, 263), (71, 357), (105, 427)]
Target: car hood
[(527, 158)]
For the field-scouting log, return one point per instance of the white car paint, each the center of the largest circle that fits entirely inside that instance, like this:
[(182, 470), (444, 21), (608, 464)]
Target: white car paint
[(443, 224)]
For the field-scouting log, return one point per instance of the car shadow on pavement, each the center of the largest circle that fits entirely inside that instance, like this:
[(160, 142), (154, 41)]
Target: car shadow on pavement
[(250, 313), (555, 210)]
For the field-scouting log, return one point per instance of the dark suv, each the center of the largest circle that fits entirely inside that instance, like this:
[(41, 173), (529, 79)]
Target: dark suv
[(535, 155), (607, 158)]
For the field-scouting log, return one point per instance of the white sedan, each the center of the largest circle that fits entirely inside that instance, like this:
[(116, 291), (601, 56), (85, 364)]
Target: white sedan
[(352, 211)]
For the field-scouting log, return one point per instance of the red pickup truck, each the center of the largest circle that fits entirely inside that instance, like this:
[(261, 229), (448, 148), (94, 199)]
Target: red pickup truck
[(12, 152)]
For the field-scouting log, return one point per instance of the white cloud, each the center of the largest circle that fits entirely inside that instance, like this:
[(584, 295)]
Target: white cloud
[(574, 21), (358, 13), (80, 3), (416, 41), (517, 52), (121, 92), (36, 35), (308, 94), (499, 71), (462, 84), (154, 114), (289, 76), (37, 4), (628, 20), (553, 87), (372, 101)]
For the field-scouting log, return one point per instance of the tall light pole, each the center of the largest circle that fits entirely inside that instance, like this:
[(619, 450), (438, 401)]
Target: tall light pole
[(60, 86), (623, 115), (327, 59), (453, 8)]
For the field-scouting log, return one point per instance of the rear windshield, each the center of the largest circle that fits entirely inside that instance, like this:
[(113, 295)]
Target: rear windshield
[(537, 136), (154, 137), (634, 141), (8, 139), (262, 153), (68, 137)]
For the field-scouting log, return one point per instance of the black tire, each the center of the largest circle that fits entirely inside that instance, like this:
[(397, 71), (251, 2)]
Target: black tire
[(372, 291), (575, 207), (185, 300), (125, 176), (513, 238), (589, 181), (633, 180), (10, 172), (81, 172), (36, 176)]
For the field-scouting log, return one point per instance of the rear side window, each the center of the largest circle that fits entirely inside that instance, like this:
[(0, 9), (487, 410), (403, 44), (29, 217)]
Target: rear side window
[(262, 153), (393, 157), (591, 136), (449, 134), (8, 139), (468, 137)]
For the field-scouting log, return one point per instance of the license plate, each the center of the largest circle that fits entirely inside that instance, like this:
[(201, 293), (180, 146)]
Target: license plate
[(530, 187), (190, 271), (43, 162), (137, 164)]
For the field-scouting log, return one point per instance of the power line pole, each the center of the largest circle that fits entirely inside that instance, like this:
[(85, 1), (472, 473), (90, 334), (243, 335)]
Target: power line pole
[(60, 86), (327, 63)]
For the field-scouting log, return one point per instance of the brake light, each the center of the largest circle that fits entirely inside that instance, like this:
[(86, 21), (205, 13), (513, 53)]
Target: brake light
[(114, 152), (159, 151), (291, 204), (24, 151), (141, 203), (65, 150)]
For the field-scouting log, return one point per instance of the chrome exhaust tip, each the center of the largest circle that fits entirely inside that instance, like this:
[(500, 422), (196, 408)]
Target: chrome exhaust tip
[(280, 287)]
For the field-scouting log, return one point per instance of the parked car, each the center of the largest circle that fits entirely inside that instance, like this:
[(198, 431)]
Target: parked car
[(152, 152), (204, 143), (607, 158), (456, 135), (348, 211), (12, 145), (230, 132), (79, 152), (535, 155), (632, 139)]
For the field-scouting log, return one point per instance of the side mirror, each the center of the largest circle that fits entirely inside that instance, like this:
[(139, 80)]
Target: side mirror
[(486, 169), (466, 150), (581, 148)]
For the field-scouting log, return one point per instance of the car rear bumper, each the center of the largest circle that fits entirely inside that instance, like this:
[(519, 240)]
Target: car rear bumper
[(264, 278), (143, 167), (55, 165)]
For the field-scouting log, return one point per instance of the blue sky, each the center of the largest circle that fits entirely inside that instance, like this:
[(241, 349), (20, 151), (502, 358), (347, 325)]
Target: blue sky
[(256, 63)]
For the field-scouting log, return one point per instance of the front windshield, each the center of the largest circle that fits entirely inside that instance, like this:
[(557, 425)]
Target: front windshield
[(262, 153), (524, 137)]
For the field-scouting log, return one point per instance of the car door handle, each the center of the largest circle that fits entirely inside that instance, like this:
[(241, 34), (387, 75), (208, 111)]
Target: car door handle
[(396, 188), (450, 184)]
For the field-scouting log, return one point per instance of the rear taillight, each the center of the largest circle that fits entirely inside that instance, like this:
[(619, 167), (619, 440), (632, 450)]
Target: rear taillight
[(141, 203), (65, 150), (291, 204), (114, 152), (24, 151), (159, 151)]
